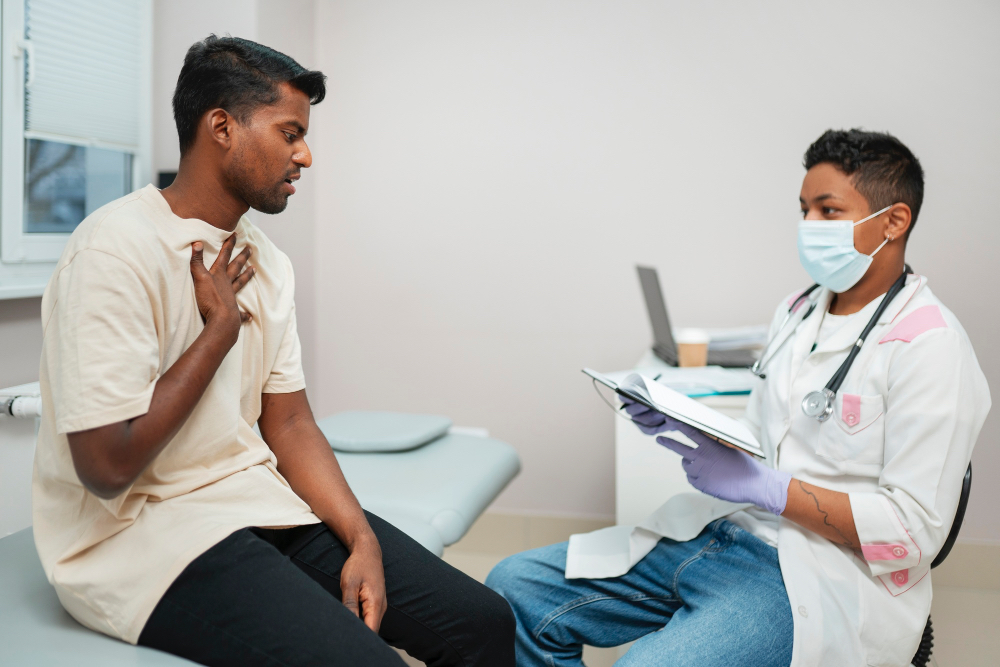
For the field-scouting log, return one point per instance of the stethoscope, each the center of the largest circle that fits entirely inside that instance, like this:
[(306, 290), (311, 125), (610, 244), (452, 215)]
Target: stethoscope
[(819, 404)]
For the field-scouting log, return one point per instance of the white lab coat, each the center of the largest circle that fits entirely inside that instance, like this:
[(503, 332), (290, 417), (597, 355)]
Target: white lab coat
[(905, 421)]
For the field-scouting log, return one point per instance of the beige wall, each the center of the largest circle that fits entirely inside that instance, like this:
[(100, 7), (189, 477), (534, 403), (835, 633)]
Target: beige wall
[(489, 173)]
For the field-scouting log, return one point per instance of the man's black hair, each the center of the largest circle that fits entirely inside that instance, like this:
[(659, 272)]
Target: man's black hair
[(236, 75), (881, 168)]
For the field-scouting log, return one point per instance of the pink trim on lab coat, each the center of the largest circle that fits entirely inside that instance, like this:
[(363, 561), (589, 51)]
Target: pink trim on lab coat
[(919, 321)]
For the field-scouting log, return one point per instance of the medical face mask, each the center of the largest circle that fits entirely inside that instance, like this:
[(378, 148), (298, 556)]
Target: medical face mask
[(827, 252)]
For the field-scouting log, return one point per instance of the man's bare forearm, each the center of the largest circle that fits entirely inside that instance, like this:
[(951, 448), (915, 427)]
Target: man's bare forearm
[(825, 512), (306, 461), (109, 458), (310, 466)]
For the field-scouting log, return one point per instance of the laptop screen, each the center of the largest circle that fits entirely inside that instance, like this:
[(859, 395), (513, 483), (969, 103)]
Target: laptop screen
[(656, 306)]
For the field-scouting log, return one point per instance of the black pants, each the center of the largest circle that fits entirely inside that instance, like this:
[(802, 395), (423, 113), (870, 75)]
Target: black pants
[(272, 597)]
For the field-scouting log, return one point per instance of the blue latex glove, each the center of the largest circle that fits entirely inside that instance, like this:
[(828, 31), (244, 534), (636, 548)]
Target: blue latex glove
[(649, 421), (713, 468), (727, 473)]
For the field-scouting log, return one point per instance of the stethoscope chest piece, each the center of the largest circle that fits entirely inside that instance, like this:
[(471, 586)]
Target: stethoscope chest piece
[(818, 404)]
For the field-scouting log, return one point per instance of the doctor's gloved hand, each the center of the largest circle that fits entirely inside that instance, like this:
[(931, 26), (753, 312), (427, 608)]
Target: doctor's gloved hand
[(649, 421), (727, 473)]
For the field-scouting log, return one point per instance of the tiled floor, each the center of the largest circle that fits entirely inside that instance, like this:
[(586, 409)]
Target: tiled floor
[(966, 627), (966, 619)]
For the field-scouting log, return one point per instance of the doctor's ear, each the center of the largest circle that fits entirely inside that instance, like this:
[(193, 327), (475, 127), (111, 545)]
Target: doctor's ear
[(899, 219)]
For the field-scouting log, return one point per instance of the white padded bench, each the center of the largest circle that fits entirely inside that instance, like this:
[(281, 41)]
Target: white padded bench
[(433, 491)]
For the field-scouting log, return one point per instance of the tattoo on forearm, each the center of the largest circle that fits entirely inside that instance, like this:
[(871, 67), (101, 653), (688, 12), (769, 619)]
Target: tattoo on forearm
[(826, 517)]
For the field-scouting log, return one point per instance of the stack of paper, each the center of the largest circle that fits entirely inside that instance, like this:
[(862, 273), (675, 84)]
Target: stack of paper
[(738, 338)]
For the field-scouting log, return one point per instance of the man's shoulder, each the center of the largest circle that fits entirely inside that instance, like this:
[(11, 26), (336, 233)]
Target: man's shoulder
[(124, 228)]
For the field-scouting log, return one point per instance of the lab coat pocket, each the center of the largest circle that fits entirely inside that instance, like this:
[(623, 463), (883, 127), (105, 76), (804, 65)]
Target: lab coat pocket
[(857, 440)]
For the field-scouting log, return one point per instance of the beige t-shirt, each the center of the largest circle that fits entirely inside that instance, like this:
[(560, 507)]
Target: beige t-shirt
[(117, 313)]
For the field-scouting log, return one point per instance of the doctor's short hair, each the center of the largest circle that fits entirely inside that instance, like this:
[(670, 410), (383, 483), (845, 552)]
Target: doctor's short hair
[(881, 168), (236, 75)]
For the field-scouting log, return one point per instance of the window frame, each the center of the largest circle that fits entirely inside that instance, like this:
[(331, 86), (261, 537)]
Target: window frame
[(28, 259)]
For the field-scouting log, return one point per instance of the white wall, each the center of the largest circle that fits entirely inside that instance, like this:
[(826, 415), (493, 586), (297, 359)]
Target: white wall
[(177, 24), (488, 174), (20, 341)]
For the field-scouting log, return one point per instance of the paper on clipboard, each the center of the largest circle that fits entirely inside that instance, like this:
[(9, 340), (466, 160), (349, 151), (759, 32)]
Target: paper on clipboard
[(673, 404)]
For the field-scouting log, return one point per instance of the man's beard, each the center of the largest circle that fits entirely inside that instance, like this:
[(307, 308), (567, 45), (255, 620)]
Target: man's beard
[(266, 200)]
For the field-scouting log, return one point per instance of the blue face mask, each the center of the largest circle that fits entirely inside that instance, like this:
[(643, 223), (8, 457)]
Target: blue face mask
[(827, 252)]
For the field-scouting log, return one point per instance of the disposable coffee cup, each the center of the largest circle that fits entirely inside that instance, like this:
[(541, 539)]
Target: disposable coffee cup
[(692, 347)]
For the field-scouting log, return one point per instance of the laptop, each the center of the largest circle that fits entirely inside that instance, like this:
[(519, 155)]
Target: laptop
[(664, 346)]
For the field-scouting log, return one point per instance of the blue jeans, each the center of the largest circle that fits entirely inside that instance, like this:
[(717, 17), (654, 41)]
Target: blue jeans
[(718, 599)]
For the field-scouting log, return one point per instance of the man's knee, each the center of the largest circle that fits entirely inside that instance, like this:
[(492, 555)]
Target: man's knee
[(483, 626), (497, 616)]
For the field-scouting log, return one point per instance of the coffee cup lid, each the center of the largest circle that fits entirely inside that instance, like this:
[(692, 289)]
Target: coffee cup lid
[(691, 336)]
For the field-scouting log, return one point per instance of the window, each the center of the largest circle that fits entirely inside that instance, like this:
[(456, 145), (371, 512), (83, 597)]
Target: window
[(74, 123), (64, 183)]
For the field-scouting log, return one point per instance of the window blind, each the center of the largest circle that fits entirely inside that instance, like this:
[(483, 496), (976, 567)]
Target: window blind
[(85, 75)]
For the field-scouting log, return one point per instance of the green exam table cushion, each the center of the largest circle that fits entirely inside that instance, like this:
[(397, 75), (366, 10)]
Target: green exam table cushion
[(360, 431)]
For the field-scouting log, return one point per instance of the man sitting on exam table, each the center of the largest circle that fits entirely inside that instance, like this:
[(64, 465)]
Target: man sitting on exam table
[(160, 516), (821, 553)]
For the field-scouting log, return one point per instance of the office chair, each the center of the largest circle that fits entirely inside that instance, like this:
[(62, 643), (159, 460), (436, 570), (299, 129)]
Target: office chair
[(923, 655)]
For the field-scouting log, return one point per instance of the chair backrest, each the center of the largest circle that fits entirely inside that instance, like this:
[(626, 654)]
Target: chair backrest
[(956, 525)]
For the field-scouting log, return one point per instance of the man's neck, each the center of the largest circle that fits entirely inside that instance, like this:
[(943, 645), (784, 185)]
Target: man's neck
[(201, 194), (876, 282)]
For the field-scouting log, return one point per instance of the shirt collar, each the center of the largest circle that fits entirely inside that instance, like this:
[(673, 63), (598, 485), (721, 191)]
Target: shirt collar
[(852, 328)]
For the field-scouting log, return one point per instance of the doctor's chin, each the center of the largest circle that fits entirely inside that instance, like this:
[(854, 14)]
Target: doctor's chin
[(367, 333)]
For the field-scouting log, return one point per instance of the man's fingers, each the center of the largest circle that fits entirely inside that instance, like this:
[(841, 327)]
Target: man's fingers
[(349, 589), (245, 317), (372, 610), (197, 261), (370, 618), (242, 279), (225, 253), (236, 266)]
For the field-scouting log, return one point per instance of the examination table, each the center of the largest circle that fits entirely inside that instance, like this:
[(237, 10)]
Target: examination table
[(430, 480)]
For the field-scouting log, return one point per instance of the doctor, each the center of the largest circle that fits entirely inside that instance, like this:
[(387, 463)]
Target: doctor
[(821, 553)]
